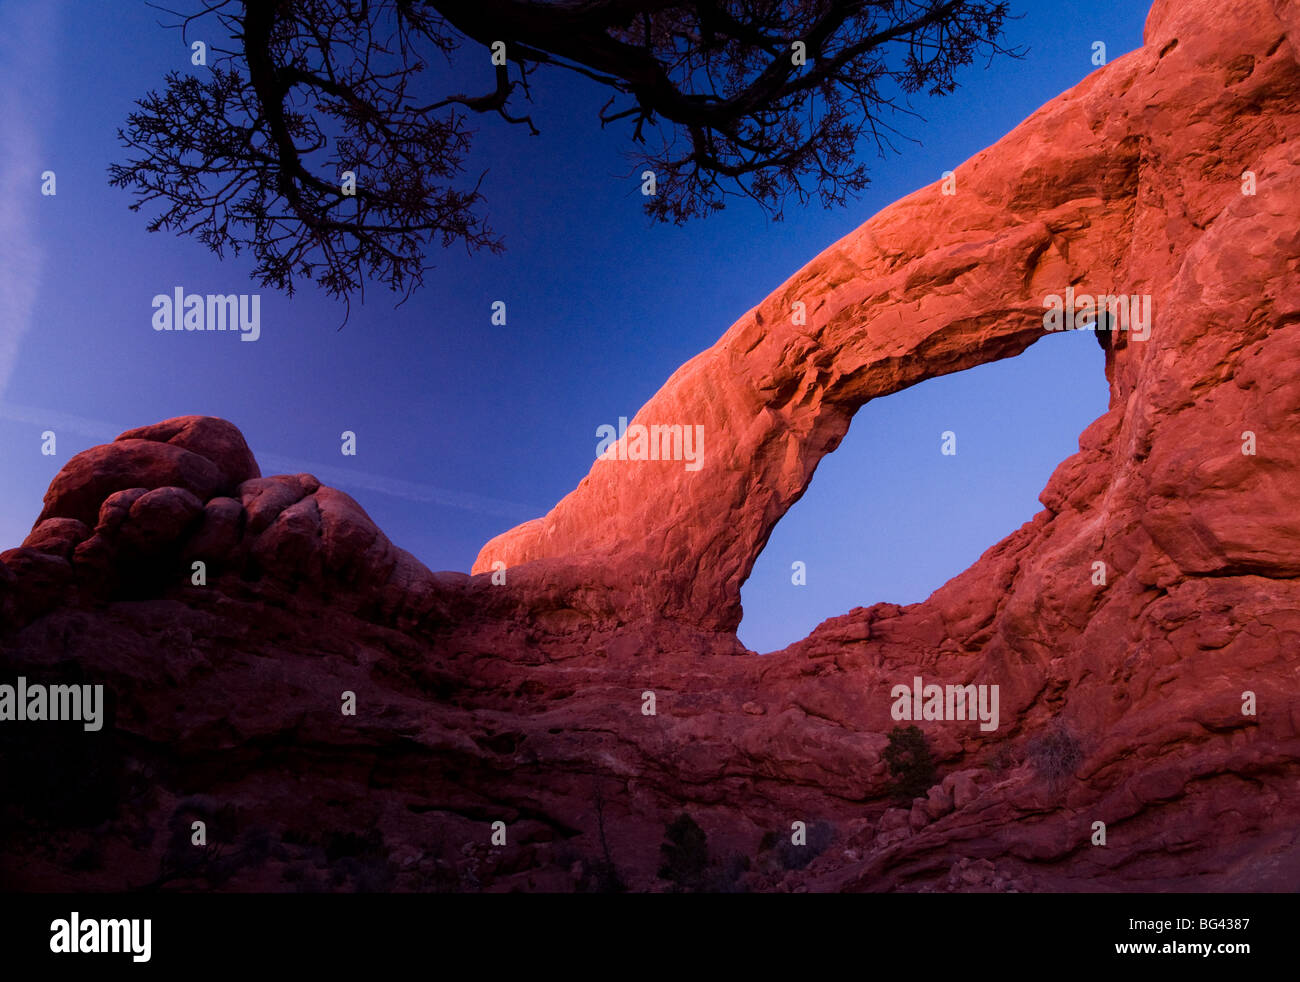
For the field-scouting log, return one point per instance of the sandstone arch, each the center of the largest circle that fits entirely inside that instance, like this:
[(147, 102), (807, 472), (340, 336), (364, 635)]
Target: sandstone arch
[(931, 285), (1100, 185)]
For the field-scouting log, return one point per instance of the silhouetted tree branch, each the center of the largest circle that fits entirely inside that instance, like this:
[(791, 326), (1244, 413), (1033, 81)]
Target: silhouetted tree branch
[(249, 153)]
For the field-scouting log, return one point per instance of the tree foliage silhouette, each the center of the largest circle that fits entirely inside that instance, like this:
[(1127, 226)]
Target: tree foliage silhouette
[(765, 99), (909, 760), (685, 854)]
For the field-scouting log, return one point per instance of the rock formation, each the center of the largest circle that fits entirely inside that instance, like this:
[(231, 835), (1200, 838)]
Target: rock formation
[(1121, 701)]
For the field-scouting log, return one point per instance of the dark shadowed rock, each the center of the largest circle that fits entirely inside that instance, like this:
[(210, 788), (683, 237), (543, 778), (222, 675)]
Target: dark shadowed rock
[(158, 519), (220, 532), (115, 509), (57, 537)]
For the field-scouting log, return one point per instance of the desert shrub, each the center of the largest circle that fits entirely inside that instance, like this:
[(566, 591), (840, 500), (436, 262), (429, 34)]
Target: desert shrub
[(685, 853), (1055, 753), (88, 858), (353, 845), (726, 876), (819, 838), (362, 874), (225, 853), (298, 837), (602, 875), (909, 761)]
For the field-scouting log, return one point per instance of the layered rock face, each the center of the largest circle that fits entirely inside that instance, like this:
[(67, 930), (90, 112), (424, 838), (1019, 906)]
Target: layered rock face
[(1143, 631)]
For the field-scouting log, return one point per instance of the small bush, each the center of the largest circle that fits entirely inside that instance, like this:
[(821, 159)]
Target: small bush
[(353, 845), (909, 761), (685, 854), (820, 835), (601, 876), (726, 876), (1056, 754), (229, 848)]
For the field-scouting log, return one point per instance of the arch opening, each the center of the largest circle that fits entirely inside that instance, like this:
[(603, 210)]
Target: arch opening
[(890, 517)]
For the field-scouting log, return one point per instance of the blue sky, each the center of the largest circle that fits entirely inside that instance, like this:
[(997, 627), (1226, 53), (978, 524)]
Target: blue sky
[(464, 428)]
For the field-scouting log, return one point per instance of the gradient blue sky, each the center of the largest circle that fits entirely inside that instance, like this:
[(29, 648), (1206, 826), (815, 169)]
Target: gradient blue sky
[(465, 429)]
